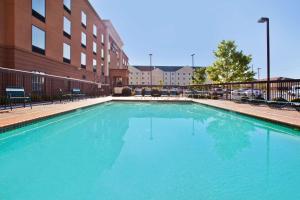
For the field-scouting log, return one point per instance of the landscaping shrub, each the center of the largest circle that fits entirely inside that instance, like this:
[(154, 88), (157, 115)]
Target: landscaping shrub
[(280, 99), (296, 100), (155, 93), (126, 92)]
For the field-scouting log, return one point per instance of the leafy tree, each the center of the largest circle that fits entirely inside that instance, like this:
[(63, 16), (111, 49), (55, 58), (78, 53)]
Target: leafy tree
[(199, 75), (231, 65)]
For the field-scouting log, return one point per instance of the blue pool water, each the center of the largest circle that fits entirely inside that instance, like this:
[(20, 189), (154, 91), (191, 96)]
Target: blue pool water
[(150, 151)]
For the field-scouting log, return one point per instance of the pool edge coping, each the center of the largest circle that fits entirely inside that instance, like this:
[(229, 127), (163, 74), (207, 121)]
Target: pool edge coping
[(6, 128), (16, 125), (289, 125)]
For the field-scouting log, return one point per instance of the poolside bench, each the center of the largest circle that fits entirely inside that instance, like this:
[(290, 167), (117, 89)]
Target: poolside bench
[(17, 94), (74, 94)]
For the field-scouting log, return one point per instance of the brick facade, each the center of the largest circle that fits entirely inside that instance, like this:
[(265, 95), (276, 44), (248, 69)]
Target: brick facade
[(16, 20)]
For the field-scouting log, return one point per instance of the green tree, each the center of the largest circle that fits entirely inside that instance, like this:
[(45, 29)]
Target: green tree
[(231, 65), (199, 75)]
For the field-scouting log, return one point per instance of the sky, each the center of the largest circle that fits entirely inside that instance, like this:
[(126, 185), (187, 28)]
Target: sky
[(174, 29)]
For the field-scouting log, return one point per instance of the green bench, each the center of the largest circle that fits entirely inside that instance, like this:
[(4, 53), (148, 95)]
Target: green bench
[(17, 94)]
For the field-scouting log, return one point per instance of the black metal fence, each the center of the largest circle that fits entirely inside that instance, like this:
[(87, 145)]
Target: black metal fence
[(280, 90), (44, 87)]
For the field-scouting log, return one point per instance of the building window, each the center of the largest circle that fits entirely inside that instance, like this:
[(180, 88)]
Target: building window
[(67, 6), (67, 28), (83, 19), (83, 39), (38, 40), (37, 82), (67, 53), (83, 60), (102, 54), (102, 38), (94, 65), (39, 9), (94, 48), (95, 30), (102, 69)]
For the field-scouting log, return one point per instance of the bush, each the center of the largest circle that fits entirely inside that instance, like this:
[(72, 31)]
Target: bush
[(126, 92), (280, 99), (155, 93), (296, 100)]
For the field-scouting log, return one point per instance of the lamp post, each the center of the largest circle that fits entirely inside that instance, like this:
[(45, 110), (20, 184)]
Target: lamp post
[(150, 56), (267, 21), (258, 73), (193, 60)]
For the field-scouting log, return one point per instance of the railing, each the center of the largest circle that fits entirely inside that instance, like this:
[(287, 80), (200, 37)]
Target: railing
[(280, 90), (44, 87)]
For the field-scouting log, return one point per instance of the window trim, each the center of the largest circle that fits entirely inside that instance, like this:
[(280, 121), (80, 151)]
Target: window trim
[(95, 66), (94, 49), (35, 48), (82, 44), (95, 34), (85, 23), (66, 60), (66, 8), (36, 14), (66, 34), (83, 66)]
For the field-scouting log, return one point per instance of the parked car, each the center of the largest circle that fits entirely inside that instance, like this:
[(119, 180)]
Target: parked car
[(244, 94), (295, 91), (217, 92)]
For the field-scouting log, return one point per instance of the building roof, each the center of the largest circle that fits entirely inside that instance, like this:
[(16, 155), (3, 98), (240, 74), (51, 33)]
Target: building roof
[(163, 68), (277, 79)]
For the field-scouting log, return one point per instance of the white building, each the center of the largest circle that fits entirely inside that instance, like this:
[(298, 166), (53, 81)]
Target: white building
[(161, 75)]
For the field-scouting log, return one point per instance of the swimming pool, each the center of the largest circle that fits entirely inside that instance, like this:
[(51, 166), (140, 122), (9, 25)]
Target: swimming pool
[(151, 151)]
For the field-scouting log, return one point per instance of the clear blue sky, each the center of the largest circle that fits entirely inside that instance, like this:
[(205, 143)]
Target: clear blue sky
[(173, 29)]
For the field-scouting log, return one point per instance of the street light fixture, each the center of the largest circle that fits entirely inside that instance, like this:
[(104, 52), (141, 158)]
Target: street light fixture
[(267, 21), (150, 56), (193, 59), (258, 73)]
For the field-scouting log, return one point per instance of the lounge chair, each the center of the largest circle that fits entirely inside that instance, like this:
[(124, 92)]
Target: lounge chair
[(296, 105), (174, 92), (164, 93), (17, 94), (148, 92), (138, 92), (278, 104), (187, 93)]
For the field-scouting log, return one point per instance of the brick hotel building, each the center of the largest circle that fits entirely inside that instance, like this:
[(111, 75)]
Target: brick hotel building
[(64, 38)]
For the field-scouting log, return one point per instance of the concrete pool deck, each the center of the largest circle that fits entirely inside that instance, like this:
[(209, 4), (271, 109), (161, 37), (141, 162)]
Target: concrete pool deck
[(20, 116)]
